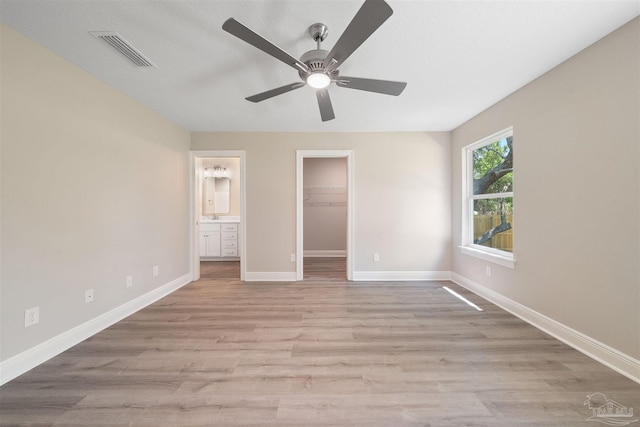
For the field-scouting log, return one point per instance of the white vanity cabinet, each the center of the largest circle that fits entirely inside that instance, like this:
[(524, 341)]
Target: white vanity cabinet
[(219, 241), (210, 240), (229, 242)]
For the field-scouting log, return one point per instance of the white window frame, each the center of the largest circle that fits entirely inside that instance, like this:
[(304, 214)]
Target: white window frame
[(467, 247)]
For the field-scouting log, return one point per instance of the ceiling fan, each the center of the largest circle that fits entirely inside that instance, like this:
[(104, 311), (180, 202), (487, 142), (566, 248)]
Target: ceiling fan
[(319, 68)]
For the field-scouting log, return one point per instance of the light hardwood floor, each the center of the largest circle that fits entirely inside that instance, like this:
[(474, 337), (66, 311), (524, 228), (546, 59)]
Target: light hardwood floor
[(220, 270), (322, 268), (325, 268), (314, 353)]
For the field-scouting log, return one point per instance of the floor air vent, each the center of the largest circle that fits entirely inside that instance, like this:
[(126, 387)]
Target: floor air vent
[(116, 41)]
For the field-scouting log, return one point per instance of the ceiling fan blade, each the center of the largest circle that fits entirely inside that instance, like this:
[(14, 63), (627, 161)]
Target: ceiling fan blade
[(367, 20), (386, 87), (324, 102), (237, 29), (274, 92)]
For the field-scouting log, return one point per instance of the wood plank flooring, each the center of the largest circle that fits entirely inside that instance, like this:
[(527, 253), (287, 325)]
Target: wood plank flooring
[(325, 268), (220, 270), (312, 353)]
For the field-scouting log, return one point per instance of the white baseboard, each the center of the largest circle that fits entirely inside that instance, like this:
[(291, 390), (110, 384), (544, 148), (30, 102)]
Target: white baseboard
[(29, 359), (608, 356), (270, 276), (334, 253), (372, 276)]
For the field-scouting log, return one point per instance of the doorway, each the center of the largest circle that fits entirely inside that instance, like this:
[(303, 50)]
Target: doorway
[(228, 222), (324, 251)]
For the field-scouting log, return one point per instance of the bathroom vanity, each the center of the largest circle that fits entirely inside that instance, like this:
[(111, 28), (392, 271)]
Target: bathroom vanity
[(219, 239)]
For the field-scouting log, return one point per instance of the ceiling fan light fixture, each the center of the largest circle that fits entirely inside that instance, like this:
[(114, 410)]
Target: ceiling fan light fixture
[(318, 80)]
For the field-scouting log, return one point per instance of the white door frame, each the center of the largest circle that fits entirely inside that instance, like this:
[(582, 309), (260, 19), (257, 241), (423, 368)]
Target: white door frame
[(300, 156), (195, 183)]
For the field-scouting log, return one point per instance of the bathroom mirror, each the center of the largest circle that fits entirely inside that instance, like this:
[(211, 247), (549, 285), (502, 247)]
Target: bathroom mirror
[(216, 196)]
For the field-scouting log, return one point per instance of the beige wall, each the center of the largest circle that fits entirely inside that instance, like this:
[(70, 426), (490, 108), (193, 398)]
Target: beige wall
[(577, 192), (401, 192), (325, 207), (94, 188)]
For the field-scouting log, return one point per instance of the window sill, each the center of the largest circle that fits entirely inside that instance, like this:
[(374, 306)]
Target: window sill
[(502, 260)]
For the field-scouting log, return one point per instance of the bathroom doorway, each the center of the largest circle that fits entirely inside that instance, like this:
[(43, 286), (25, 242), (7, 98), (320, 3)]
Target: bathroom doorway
[(218, 215), (324, 215)]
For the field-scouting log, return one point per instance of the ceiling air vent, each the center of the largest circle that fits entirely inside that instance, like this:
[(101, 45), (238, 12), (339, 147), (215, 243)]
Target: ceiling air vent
[(116, 41)]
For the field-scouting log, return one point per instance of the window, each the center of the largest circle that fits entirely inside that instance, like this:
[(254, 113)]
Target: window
[(488, 198)]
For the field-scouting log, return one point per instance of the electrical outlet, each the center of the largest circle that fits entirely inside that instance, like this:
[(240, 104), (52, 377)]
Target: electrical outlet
[(88, 296), (31, 316), (155, 271), (292, 258), (487, 270), (129, 281), (376, 257)]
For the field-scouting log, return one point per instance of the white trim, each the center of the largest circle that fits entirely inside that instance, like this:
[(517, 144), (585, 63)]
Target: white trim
[(329, 253), (300, 156), (492, 195), (488, 256), (270, 276), (194, 183), (608, 356), (195, 186), (29, 359), (372, 276)]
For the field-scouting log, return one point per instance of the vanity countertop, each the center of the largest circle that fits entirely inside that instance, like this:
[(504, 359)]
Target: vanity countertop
[(220, 220)]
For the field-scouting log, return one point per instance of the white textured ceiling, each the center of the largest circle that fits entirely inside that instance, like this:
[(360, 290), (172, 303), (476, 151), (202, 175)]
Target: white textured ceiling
[(458, 57)]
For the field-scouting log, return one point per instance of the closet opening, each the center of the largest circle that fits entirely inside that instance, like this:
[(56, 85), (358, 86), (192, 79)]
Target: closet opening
[(324, 215)]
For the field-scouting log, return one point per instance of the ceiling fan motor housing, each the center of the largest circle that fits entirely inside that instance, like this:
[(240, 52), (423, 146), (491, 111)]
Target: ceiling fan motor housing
[(314, 59)]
